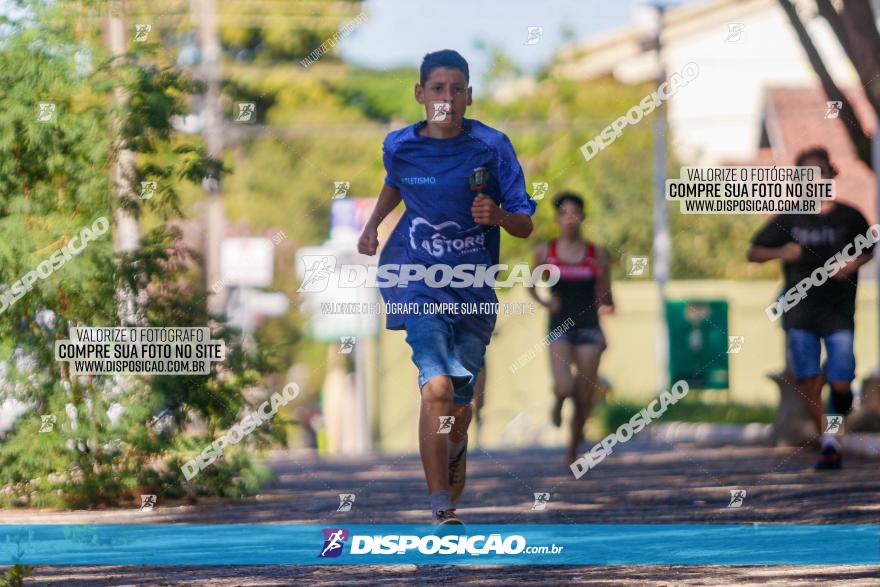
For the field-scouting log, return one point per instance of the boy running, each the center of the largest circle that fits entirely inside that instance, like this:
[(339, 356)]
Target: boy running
[(461, 182), (804, 242)]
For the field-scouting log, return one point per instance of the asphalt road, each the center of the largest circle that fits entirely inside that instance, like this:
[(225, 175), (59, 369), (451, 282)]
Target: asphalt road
[(643, 483)]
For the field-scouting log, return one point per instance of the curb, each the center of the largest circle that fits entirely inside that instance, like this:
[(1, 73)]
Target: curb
[(706, 434), (862, 444), (712, 434)]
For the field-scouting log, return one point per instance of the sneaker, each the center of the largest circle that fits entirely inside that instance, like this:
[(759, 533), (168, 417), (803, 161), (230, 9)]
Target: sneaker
[(556, 412), (830, 459), (447, 518), (457, 473)]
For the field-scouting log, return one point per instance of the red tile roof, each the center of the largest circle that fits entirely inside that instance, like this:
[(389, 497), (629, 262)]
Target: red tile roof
[(794, 119)]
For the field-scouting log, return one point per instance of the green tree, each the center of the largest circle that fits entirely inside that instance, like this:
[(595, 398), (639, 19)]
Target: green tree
[(54, 181)]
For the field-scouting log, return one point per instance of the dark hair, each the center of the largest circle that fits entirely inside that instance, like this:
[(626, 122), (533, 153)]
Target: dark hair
[(444, 58), (820, 153), (572, 197)]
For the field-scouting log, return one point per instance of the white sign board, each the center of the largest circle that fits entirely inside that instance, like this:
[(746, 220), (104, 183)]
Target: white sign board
[(335, 311), (247, 261), (245, 306)]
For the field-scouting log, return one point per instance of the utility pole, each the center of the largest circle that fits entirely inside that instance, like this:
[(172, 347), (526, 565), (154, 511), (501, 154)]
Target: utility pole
[(205, 13), (126, 236), (661, 238)]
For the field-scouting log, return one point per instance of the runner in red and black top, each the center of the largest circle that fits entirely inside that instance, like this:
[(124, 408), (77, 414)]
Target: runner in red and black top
[(583, 289)]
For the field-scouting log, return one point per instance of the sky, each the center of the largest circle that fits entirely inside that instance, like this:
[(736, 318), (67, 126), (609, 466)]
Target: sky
[(400, 32)]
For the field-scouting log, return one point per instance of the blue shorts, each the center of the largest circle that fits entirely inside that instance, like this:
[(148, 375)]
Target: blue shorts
[(440, 349), (804, 348)]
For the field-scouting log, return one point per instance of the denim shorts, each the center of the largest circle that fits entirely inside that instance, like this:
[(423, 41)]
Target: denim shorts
[(579, 336), (438, 348), (804, 348)]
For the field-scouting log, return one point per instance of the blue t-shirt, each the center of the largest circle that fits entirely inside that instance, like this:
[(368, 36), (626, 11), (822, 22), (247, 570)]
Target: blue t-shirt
[(439, 179)]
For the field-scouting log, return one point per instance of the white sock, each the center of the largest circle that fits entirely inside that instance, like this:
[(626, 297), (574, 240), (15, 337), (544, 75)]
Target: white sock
[(830, 440)]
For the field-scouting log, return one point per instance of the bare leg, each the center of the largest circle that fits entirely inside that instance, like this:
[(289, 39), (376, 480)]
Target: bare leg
[(479, 394), (586, 383), (436, 403), (563, 382), (811, 389), (462, 421)]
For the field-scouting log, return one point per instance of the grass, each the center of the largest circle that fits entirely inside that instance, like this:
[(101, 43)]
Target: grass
[(690, 409)]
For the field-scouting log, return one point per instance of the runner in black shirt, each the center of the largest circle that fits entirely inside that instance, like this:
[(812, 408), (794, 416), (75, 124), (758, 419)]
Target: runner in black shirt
[(576, 338), (804, 243)]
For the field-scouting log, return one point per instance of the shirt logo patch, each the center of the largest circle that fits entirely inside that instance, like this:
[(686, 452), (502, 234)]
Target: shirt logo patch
[(479, 178), (444, 238), (419, 180)]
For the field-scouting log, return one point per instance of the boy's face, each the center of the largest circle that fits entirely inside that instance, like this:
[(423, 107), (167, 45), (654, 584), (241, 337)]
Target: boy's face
[(446, 95)]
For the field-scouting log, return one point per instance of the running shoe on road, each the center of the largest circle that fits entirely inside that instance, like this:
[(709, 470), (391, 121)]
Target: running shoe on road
[(830, 459), (447, 518)]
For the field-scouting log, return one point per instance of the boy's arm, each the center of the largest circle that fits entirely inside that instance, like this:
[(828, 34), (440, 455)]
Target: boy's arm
[(603, 284), (388, 200), (485, 211), (774, 241), (514, 214), (789, 252)]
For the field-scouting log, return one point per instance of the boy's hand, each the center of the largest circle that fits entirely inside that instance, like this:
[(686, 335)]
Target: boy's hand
[(485, 211), (369, 241)]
